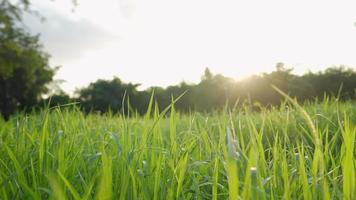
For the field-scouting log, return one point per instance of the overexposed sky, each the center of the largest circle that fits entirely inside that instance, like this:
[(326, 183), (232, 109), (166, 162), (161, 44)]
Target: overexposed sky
[(163, 42)]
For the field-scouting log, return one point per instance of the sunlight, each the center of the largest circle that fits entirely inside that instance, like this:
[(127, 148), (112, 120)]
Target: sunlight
[(178, 40)]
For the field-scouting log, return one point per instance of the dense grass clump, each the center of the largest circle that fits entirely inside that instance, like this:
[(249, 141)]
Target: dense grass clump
[(289, 152)]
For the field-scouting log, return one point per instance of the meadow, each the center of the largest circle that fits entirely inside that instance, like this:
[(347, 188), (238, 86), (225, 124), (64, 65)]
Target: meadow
[(292, 151)]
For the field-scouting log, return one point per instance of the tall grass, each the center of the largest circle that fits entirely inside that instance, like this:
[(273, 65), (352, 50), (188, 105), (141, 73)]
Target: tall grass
[(290, 152)]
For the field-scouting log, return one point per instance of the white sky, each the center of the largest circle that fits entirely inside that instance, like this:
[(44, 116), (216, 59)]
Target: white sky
[(163, 42)]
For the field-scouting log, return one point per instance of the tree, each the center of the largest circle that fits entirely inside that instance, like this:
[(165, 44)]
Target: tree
[(207, 75), (24, 68), (333, 81), (103, 95), (58, 99)]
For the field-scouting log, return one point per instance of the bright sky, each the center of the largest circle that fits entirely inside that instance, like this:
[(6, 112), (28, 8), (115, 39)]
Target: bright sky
[(163, 42)]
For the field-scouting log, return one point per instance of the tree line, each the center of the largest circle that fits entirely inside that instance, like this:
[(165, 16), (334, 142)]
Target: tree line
[(215, 91)]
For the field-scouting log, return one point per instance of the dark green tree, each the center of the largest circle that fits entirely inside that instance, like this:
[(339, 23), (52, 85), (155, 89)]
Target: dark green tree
[(104, 95), (58, 99), (24, 68), (336, 81)]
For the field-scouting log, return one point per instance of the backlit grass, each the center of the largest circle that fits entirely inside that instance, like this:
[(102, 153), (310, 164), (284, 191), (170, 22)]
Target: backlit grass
[(290, 152)]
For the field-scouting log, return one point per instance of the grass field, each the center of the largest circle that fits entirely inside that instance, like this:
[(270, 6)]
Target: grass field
[(290, 152)]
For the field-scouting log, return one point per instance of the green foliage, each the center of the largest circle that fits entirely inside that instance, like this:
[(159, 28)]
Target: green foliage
[(103, 95), (24, 70), (57, 99), (291, 152), (216, 91)]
